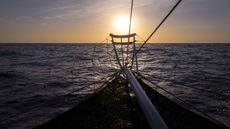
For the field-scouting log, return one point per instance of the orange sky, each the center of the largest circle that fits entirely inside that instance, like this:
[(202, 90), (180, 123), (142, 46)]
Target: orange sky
[(91, 21)]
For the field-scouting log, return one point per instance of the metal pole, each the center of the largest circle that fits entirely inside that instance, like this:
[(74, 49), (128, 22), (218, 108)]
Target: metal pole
[(135, 56), (118, 60), (130, 18), (130, 25), (153, 117)]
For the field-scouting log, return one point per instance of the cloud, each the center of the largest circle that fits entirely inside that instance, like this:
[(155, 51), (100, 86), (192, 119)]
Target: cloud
[(66, 10), (71, 8)]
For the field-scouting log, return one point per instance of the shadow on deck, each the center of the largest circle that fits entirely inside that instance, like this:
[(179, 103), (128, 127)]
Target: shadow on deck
[(110, 108), (114, 108)]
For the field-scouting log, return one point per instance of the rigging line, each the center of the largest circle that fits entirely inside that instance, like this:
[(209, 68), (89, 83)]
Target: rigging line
[(130, 26), (185, 103), (130, 20), (155, 30), (55, 99), (104, 39), (141, 39), (110, 58)]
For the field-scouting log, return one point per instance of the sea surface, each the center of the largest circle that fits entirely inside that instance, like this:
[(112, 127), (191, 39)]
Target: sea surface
[(41, 81)]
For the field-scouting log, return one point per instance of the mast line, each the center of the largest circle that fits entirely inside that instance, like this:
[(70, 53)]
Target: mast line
[(131, 15), (170, 12), (130, 26)]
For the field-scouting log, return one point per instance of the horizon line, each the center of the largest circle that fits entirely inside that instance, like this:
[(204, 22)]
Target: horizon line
[(110, 43)]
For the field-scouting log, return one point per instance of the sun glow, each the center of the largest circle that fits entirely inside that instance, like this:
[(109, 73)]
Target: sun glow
[(122, 24)]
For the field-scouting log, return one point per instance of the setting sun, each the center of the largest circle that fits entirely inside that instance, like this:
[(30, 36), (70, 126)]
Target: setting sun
[(122, 24)]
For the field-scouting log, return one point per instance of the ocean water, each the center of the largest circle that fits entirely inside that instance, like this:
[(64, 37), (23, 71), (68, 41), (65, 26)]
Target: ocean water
[(41, 81)]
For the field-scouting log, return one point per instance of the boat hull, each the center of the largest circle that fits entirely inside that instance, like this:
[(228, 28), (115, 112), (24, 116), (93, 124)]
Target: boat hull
[(115, 107)]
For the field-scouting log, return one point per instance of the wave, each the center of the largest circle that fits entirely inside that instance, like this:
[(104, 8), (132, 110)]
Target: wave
[(190, 71), (9, 53), (11, 75), (41, 64), (8, 75)]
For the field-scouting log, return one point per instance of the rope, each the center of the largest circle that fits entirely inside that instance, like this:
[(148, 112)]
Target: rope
[(141, 39), (130, 26), (106, 39), (130, 20), (155, 30)]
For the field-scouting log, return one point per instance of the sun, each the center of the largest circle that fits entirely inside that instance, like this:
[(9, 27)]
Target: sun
[(122, 24)]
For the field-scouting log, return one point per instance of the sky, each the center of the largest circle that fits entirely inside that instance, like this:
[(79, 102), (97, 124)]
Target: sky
[(91, 21)]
